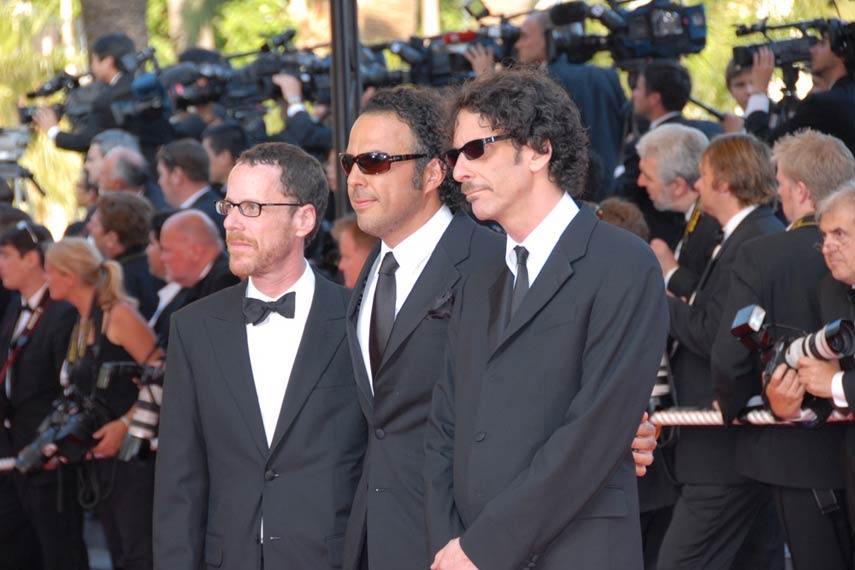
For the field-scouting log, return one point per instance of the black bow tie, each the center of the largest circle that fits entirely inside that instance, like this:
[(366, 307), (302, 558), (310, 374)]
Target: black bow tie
[(256, 310)]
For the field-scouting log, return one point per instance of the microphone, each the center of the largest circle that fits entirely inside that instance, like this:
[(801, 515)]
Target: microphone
[(568, 13)]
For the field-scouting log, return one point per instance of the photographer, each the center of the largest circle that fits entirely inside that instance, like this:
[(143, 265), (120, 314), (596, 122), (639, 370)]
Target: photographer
[(108, 329), (781, 273), (301, 129), (831, 112), (224, 143), (35, 330), (836, 379), (119, 229)]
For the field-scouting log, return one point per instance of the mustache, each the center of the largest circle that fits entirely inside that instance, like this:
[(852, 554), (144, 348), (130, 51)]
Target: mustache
[(237, 237), (469, 186)]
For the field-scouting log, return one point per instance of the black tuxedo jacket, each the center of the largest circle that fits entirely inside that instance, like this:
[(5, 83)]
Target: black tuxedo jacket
[(138, 280), (694, 254), (219, 277), (781, 273), (207, 203), (527, 450), (704, 456), (831, 112), (216, 476), (388, 508), (35, 373)]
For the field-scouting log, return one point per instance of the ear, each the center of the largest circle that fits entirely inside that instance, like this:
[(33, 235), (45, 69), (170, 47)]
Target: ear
[(304, 220), (802, 193), (434, 174), (32, 259), (681, 187), (538, 160)]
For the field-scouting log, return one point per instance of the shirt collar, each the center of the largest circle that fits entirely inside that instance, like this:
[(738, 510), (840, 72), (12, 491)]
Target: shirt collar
[(734, 222), (691, 211), (419, 245), (303, 285), (541, 241), (193, 197), (656, 122)]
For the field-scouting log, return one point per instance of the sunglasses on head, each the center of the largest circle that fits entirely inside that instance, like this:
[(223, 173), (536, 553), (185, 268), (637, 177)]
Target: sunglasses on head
[(373, 162), (24, 226), (472, 150)]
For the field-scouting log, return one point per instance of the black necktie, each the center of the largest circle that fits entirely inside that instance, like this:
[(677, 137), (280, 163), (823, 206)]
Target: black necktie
[(521, 283), (382, 311), (256, 310), (716, 253)]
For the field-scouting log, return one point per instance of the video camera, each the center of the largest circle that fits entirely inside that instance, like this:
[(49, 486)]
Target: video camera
[(658, 29), (791, 51), (786, 345), (148, 99), (77, 103), (143, 428)]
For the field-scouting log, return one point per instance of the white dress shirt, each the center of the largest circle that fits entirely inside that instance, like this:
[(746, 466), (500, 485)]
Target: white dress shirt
[(193, 197), (734, 222), (412, 255), (165, 295), (273, 345), (542, 240), (656, 122)]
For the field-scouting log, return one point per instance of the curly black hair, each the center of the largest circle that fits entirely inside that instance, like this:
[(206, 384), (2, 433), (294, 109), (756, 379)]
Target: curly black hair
[(422, 109), (536, 111)]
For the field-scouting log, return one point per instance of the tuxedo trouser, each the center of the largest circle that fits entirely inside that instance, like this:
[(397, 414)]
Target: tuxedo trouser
[(723, 527), (654, 525), (19, 544), (126, 512), (814, 538), (59, 527)]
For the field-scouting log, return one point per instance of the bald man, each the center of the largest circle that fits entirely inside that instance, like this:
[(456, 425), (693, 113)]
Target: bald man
[(192, 252), (125, 169)]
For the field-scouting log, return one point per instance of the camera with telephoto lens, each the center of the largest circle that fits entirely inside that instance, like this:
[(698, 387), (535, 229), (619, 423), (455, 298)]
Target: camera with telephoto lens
[(67, 430), (791, 51), (786, 345), (77, 103), (143, 427)]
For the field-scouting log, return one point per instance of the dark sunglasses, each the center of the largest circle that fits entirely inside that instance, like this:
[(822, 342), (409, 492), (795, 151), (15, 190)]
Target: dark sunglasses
[(472, 150), (373, 162)]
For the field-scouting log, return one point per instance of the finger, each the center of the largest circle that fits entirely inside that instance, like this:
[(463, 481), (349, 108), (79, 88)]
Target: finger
[(640, 470)]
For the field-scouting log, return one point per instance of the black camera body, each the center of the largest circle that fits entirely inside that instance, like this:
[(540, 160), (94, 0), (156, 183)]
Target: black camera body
[(787, 52), (785, 345)]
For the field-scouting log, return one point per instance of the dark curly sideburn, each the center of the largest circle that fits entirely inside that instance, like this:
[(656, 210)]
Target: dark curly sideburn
[(422, 109), (526, 104)]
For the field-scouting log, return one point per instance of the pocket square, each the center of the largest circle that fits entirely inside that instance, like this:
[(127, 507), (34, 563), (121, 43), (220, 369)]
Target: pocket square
[(441, 307)]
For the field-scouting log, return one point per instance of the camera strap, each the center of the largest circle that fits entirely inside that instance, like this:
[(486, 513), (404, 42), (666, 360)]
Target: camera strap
[(18, 343)]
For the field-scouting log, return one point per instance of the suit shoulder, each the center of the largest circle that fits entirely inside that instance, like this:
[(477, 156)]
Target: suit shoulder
[(332, 291), (210, 304)]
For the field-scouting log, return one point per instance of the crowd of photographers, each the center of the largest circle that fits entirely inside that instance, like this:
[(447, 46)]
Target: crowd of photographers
[(756, 211)]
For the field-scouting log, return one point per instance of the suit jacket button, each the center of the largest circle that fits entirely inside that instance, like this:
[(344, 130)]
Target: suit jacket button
[(379, 433), (270, 475), (480, 436)]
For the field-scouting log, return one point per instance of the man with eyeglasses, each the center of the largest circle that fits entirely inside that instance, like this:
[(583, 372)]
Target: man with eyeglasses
[(782, 273), (553, 348), (836, 379), (34, 334), (261, 436)]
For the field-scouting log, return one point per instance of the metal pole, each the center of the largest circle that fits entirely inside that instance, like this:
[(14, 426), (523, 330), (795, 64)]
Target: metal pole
[(346, 84)]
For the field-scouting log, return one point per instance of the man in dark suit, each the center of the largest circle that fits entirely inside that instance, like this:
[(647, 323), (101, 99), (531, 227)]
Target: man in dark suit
[(119, 228), (835, 379), (521, 407), (737, 179), (669, 167), (35, 332), (183, 168), (831, 111), (193, 257), (781, 273), (662, 88), (261, 436)]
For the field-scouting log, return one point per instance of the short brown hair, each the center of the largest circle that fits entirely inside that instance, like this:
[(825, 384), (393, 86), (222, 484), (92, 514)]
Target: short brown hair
[(126, 214), (187, 154), (745, 164), (822, 162), (624, 214)]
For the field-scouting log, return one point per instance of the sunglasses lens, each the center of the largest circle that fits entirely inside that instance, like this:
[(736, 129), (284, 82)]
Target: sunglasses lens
[(451, 157), (347, 161), (373, 163), (473, 149)]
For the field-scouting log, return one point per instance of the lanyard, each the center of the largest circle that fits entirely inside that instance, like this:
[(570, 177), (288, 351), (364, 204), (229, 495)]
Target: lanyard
[(18, 343)]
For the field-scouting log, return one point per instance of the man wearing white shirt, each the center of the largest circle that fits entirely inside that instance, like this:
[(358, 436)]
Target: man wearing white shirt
[(527, 461), (261, 437)]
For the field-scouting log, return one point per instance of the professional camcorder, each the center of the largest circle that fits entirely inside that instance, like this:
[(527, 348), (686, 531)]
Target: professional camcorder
[(77, 103), (656, 30), (786, 345), (143, 428)]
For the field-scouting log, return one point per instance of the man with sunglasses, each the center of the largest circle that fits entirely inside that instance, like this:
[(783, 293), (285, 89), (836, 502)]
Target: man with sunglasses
[(261, 437), (34, 336), (553, 350)]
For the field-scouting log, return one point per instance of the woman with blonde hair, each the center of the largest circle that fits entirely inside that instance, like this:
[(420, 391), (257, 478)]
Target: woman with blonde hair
[(109, 329)]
